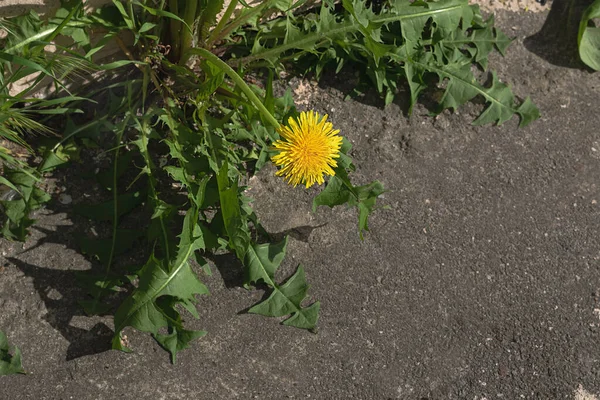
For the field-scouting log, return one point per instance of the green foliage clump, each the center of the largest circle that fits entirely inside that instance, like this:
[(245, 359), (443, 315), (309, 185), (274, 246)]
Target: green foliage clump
[(187, 130), (405, 42), (25, 65)]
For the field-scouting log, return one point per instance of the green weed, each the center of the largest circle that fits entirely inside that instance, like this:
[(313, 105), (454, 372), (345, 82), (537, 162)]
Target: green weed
[(9, 364), (588, 38), (187, 130)]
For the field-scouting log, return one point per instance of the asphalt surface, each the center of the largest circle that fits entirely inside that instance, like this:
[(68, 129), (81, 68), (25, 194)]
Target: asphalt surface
[(480, 281)]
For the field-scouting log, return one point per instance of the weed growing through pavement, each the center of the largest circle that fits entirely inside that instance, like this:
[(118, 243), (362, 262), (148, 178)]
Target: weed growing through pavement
[(588, 37), (188, 123)]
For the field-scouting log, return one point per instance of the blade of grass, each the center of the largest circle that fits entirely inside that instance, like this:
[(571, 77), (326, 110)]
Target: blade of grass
[(222, 22)]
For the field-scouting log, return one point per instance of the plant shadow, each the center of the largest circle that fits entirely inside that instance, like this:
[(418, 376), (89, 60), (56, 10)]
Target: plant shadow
[(59, 291), (62, 289), (361, 89), (230, 269), (556, 42)]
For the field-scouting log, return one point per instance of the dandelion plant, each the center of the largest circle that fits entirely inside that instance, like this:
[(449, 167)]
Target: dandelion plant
[(198, 114)]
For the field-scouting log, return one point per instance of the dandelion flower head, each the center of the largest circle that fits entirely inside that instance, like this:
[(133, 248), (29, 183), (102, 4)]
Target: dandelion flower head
[(307, 150)]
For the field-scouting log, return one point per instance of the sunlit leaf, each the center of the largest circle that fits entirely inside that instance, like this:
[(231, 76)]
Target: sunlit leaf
[(588, 38), (234, 223), (161, 288), (261, 262), (9, 364), (339, 190)]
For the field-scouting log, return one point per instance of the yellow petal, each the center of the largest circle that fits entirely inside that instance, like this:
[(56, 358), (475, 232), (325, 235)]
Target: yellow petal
[(307, 150)]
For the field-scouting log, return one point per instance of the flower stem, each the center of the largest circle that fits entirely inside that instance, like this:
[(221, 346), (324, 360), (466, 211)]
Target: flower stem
[(236, 78)]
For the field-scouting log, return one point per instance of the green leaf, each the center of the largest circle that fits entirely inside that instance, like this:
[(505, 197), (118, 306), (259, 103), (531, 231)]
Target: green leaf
[(96, 306), (126, 17), (405, 40), (445, 15), (502, 106), (235, 224), (339, 190), (9, 364), (214, 79), (208, 16), (97, 284), (142, 311), (462, 87), (68, 20), (286, 299), (105, 211), (105, 178), (8, 183), (358, 11), (367, 198), (177, 340), (161, 13), (146, 26), (191, 238), (59, 157), (119, 64), (412, 16), (21, 28), (479, 42), (528, 112), (161, 288), (24, 62), (18, 208), (198, 191), (334, 194), (588, 38), (261, 262), (102, 248)]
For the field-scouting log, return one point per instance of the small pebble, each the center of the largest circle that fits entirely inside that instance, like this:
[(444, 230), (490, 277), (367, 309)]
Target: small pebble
[(65, 198)]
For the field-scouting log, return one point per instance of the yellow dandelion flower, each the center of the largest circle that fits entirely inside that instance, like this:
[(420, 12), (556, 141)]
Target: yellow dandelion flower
[(308, 150)]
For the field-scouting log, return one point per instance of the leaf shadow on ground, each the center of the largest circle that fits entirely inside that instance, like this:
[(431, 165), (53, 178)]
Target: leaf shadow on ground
[(233, 275), (556, 42), (362, 90), (357, 88), (58, 285), (59, 291)]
